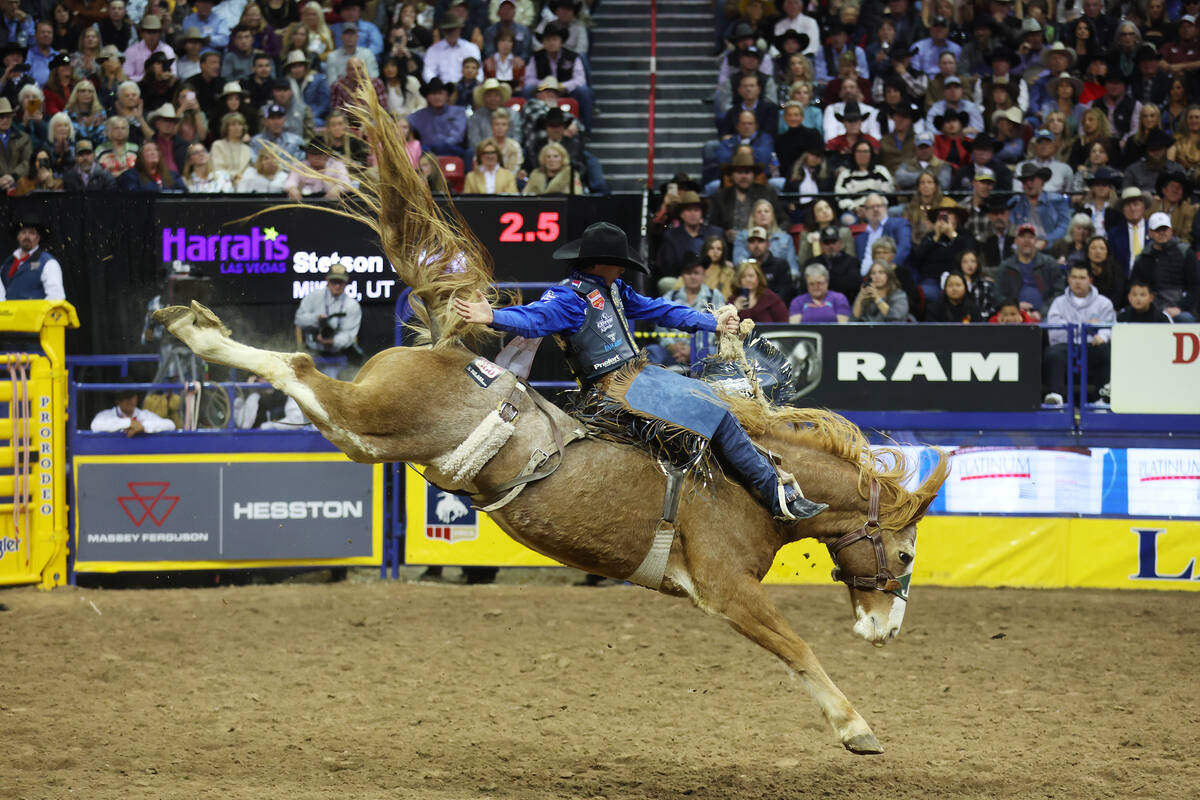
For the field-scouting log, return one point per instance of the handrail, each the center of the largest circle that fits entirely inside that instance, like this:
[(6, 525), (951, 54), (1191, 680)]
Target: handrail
[(653, 91)]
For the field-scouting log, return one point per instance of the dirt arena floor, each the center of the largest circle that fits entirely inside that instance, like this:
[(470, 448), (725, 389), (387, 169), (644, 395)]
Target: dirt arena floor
[(537, 689)]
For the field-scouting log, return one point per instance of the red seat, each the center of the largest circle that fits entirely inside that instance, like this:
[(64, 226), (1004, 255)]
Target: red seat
[(515, 104), (452, 168), (569, 104)]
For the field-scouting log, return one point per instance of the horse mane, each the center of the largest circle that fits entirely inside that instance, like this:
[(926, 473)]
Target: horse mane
[(432, 249), (823, 430)]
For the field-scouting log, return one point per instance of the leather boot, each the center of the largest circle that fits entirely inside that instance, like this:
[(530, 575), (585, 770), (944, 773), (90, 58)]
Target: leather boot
[(739, 455)]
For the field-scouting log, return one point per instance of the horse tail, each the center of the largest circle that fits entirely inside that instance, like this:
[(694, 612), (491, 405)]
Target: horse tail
[(431, 248)]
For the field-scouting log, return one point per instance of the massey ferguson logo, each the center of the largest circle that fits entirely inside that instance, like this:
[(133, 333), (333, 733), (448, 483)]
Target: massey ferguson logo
[(930, 366), (149, 500)]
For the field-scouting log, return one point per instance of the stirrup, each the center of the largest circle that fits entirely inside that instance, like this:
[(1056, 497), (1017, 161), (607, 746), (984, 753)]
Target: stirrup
[(793, 505)]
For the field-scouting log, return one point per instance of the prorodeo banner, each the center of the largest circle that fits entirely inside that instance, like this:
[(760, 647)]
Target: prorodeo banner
[(223, 510), (914, 367)]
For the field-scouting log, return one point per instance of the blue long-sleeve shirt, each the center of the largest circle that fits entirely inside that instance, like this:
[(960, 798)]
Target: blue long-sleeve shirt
[(446, 126), (561, 310)]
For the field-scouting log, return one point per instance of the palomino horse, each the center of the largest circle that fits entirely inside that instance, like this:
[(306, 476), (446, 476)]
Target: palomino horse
[(598, 511)]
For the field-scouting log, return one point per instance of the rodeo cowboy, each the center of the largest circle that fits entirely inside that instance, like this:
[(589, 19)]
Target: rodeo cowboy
[(589, 312)]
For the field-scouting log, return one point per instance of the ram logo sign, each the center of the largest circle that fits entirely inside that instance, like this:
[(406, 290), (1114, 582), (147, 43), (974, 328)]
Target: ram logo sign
[(958, 367)]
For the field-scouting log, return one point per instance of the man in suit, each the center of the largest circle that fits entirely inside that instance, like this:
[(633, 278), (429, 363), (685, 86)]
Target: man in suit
[(879, 224), (1128, 239)]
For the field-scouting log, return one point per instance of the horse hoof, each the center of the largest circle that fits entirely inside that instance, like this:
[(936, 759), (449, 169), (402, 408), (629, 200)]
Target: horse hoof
[(171, 314), (864, 744), (205, 318)]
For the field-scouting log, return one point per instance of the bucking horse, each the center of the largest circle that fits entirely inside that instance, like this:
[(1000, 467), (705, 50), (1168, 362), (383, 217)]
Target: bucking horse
[(584, 500)]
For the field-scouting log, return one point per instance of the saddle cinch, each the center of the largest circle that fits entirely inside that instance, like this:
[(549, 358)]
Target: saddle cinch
[(756, 369)]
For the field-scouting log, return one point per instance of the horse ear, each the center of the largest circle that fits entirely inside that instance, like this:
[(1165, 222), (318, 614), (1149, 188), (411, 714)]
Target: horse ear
[(932, 484)]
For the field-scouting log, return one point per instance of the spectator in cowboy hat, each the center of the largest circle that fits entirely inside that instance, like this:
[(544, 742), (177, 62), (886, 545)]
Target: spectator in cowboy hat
[(940, 249), (1130, 237), (1062, 93), (16, 149), (1172, 197), (331, 178), (159, 85), (1003, 61), (486, 98), (1144, 173), (730, 207), (1151, 83), (31, 273), (1121, 108), (852, 119), (151, 42), (173, 147), (1048, 212), (444, 58), (850, 93), (1010, 135), (836, 43), (192, 44), (13, 79), (564, 64), (1099, 202), (1044, 149), (688, 236), (309, 85), (1057, 59), (369, 36), (441, 126), (746, 134), (983, 154), (794, 19), (212, 28), (954, 100)]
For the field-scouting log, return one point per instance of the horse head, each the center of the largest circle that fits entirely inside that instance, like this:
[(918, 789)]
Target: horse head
[(875, 561)]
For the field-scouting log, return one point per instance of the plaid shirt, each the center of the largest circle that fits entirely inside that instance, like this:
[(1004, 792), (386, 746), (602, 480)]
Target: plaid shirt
[(977, 220)]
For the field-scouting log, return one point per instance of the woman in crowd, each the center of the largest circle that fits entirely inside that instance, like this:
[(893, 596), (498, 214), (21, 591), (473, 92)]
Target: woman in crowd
[(1108, 280), (1094, 128), (118, 153), (718, 272), (554, 174), (85, 61), (40, 178), (1063, 91), (1080, 36), (61, 144), (86, 113), (1186, 150), (66, 35), (199, 175), (193, 123), (230, 153), (979, 284), (234, 100), (503, 65), (110, 76), (149, 175), (265, 176), (1176, 107), (782, 245), (1072, 248), (403, 90), (1059, 124), (956, 304), (753, 298), (510, 151), (927, 197), (795, 70), (411, 144), (864, 176), (881, 299), (58, 87), (320, 40), (1135, 146), (489, 177), (351, 150), (129, 106), (818, 304), (821, 216)]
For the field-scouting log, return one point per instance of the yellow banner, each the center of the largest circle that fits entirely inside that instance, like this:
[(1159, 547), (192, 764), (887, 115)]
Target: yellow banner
[(1026, 552)]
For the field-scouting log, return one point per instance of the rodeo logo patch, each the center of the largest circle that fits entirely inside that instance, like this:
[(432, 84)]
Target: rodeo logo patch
[(449, 517), (484, 372), (596, 299)]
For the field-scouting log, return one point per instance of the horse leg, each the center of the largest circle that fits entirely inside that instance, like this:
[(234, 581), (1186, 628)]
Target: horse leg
[(751, 614)]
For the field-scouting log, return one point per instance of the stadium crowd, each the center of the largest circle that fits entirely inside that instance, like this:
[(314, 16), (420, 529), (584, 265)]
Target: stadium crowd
[(160, 96), (889, 160)]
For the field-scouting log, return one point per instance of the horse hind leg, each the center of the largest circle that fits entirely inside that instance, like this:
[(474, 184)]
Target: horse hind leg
[(202, 331), (745, 605)]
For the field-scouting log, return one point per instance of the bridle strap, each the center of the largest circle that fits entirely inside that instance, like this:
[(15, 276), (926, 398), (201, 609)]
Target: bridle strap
[(884, 579)]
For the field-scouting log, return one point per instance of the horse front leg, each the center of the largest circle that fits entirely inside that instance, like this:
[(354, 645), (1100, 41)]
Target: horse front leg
[(202, 331), (746, 607)]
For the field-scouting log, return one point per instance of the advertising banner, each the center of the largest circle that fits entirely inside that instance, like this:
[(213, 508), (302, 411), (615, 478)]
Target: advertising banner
[(203, 511), (914, 367), (1156, 369)]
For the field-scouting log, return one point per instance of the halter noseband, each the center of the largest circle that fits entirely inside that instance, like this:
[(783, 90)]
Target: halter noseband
[(884, 580)]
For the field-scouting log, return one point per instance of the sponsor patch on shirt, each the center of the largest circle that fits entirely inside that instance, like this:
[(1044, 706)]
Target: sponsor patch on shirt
[(547, 295), (596, 299), (605, 322), (484, 372), (576, 284)]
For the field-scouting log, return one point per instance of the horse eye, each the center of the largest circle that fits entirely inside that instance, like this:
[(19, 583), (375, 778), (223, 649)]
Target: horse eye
[(905, 558)]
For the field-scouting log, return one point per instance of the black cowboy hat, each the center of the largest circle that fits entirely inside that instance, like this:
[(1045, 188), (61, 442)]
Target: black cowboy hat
[(690, 260), (1032, 170), (1107, 175), (901, 49), (1158, 139), (801, 39), (997, 202), (851, 113), (742, 30), (29, 219), (982, 141), (8, 48), (601, 243), (1004, 54), (553, 29), (941, 119), (1166, 177), (435, 85)]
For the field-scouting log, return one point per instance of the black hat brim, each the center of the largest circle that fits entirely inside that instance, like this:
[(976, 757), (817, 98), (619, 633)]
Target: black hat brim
[(571, 252)]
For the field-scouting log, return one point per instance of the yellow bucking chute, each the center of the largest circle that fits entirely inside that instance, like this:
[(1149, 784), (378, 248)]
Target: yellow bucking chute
[(33, 443)]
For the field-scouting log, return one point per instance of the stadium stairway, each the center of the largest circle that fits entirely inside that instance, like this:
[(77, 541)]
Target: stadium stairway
[(621, 80)]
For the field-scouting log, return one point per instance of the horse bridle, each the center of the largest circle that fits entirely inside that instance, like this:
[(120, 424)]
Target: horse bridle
[(884, 580)]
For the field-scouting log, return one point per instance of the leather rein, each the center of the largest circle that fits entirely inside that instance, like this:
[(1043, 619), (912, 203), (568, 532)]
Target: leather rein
[(884, 579)]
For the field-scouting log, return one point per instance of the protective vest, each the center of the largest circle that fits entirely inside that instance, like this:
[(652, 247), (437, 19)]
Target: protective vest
[(27, 283), (604, 343)]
